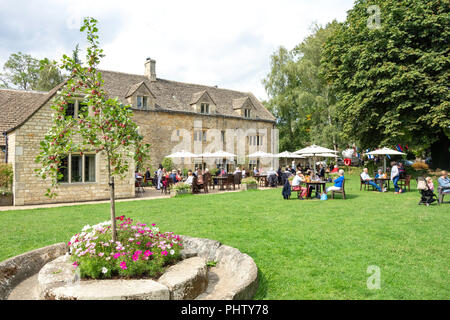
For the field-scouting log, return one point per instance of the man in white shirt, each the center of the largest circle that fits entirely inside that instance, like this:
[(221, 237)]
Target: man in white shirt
[(365, 177), (296, 185), (395, 176)]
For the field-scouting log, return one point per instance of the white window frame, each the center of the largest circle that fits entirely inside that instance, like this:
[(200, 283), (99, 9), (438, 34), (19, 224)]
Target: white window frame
[(247, 113), (204, 108), (83, 169)]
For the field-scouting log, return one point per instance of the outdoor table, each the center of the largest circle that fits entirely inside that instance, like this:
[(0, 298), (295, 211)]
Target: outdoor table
[(320, 184), (262, 179), (381, 181), (220, 181)]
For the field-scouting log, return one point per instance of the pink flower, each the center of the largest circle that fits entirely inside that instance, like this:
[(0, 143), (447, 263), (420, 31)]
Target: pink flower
[(153, 224), (164, 253), (148, 253), (123, 265), (75, 264), (116, 255)]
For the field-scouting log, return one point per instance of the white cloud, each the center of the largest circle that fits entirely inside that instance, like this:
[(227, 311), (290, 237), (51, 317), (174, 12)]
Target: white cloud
[(225, 43)]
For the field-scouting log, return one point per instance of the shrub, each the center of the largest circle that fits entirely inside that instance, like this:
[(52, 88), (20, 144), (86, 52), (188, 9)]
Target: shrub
[(181, 186), (213, 171), (420, 166), (168, 164), (5, 192), (140, 251), (6, 175), (249, 181)]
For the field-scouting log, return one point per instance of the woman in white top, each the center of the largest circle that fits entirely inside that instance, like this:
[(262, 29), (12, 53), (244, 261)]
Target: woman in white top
[(395, 176)]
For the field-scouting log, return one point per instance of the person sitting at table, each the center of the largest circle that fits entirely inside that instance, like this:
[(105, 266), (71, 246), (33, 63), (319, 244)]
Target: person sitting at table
[(380, 174), (255, 171), (444, 181), (321, 172), (335, 169), (221, 172), (243, 173), (173, 176), (137, 175), (190, 178), (272, 177), (368, 180), (147, 176), (298, 179), (395, 176), (337, 182), (237, 170), (199, 177)]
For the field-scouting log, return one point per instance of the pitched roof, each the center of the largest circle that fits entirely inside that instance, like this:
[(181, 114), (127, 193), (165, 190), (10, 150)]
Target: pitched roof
[(239, 103), (178, 96), (135, 87), (198, 95), (17, 106)]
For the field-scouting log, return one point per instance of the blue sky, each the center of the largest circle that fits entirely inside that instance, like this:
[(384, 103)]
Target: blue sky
[(224, 43)]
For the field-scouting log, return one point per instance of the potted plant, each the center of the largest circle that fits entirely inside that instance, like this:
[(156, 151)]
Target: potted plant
[(180, 188), (249, 183)]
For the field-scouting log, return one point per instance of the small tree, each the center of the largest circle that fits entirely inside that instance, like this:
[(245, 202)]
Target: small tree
[(106, 127)]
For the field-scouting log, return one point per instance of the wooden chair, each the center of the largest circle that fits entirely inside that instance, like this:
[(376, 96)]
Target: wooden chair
[(339, 191), (237, 179), (441, 194), (406, 182), (366, 184), (230, 181), (196, 187)]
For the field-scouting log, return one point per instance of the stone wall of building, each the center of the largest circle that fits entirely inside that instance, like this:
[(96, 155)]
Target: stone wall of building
[(167, 132), (23, 147)]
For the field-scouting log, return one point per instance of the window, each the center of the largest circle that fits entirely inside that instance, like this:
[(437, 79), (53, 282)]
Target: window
[(255, 140), (142, 102), (247, 113), (204, 108), (77, 168), (200, 135), (77, 108)]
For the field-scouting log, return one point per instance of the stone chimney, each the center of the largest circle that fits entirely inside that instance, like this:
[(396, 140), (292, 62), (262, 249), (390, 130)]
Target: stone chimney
[(150, 69)]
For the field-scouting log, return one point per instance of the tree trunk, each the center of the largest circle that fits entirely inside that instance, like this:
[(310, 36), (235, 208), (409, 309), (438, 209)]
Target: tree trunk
[(440, 153), (112, 201), (113, 209)]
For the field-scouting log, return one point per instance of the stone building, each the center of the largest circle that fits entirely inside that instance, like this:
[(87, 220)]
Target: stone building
[(172, 116)]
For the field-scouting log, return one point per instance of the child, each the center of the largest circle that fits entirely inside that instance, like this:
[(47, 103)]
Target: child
[(430, 183)]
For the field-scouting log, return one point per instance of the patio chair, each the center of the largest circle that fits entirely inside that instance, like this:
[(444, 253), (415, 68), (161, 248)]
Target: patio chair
[(230, 181), (339, 191), (366, 185), (442, 192), (406, 182), (138, 186), (237, 179)]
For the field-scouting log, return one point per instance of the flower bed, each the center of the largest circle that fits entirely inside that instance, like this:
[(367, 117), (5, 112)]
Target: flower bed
[(140, 250)]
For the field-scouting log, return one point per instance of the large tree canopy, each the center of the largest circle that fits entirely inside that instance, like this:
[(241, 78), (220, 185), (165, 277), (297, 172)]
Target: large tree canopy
[(24, 72), (391, 78), (301, 100)]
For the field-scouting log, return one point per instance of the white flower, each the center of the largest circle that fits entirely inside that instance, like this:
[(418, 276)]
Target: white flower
[(86, 228), (172, 252), (104, 270)]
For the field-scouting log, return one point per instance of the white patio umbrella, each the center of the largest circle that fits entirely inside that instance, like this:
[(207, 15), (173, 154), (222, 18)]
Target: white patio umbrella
[(385, 151), (313, 151), (220, 154), (182, 154), (261, 154), (288, 155)]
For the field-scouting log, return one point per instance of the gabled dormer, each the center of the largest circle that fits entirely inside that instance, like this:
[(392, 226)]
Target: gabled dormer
[(140, 96), (202, 102), (244, 107)]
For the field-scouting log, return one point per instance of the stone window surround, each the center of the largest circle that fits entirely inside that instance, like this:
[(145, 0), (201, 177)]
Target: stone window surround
[(83, 172), (76, 101), (144, 102), (204, 108)]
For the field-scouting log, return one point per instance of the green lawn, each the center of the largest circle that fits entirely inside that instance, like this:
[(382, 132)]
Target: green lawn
[(306, 249)]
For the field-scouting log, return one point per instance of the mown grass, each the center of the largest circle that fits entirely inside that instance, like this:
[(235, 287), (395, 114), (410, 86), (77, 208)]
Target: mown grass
[(307, 249)]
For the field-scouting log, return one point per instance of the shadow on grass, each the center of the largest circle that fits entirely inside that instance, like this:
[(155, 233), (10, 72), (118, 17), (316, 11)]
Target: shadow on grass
[(262, 286)]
